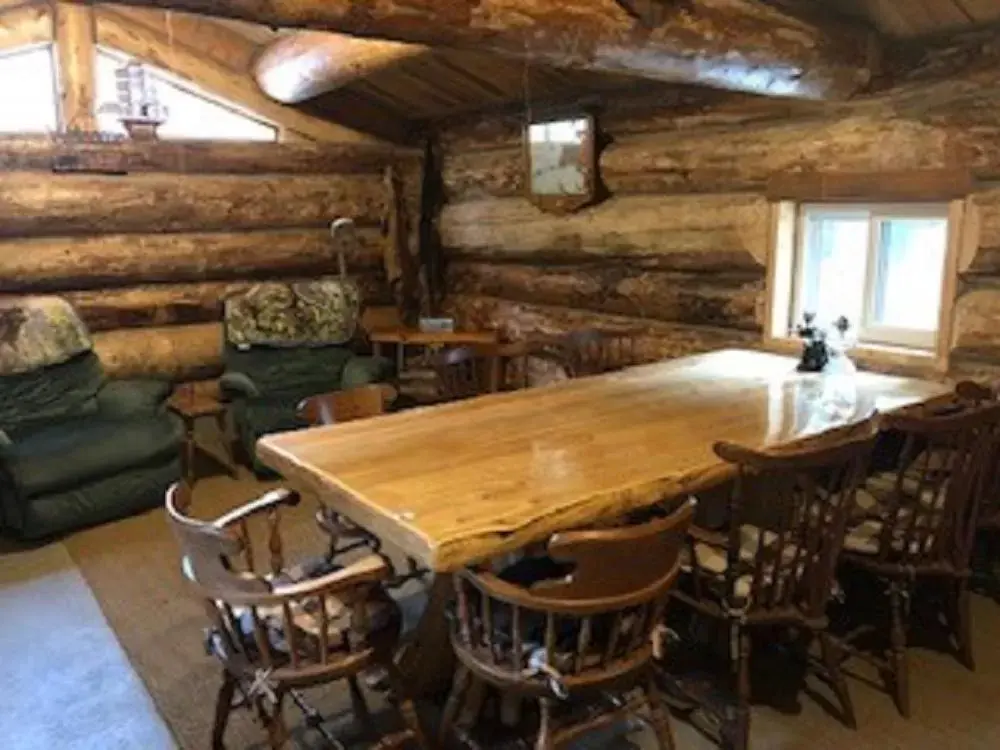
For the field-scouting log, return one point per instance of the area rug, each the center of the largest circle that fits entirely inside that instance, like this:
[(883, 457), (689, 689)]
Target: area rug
[(132, 568)]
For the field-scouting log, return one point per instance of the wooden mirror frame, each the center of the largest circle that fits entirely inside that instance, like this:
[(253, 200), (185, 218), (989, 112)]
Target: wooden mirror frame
[(565, 204)]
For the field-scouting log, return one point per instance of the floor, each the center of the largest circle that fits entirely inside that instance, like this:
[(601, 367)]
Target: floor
[(67, 684), (65, 681)]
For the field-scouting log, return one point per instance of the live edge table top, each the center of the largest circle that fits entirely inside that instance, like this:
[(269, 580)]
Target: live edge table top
[(463, 482)]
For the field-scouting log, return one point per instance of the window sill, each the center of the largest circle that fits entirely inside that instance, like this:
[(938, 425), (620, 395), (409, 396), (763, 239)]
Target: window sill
[(877, 357)]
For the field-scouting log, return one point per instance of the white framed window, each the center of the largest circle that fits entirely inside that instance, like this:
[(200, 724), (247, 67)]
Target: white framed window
[(882, 266), (192, 113), (28, 88)]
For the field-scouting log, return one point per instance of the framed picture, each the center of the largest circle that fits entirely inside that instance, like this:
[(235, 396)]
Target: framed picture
[(561, 163)]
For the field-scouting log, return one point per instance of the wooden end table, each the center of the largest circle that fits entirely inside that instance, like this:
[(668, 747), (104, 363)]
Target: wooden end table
[(190, 406)]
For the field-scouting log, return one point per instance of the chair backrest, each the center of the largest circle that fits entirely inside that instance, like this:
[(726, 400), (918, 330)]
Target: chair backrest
[(789, 511), (610, 594), (946, 467), (266, 621), (462, 372), (594, 352), (989, 488), (344, 406)]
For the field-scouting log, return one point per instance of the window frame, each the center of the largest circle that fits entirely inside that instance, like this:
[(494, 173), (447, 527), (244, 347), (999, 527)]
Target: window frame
[(868, 332), (787, 225)]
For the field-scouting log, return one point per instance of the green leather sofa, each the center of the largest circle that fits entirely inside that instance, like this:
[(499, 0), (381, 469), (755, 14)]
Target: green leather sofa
[(76, 449), (264, 386)]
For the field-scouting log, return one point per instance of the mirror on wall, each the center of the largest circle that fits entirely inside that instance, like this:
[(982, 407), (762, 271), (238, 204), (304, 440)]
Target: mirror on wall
[(561, 163)]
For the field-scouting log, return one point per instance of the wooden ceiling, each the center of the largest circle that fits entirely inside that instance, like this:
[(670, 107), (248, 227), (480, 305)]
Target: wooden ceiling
[(907, 19)]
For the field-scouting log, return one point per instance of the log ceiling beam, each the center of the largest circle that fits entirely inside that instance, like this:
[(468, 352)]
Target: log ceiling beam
[(307, 64), (745, 46), (184, 58), (75, 36), (24, 25)]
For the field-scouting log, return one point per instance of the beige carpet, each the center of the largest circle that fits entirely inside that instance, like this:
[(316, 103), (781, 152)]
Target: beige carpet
[(132, 568)]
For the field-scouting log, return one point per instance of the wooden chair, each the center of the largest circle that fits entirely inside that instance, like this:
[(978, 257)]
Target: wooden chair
[(275, 633), (345, 406), (922, 526), (775, 566), (596, 352), (988, 519), (463, 372), (587, 631)]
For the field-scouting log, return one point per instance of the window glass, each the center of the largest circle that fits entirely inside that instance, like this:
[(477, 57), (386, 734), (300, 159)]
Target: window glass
[(833, 273), (28, 90), (191, 113), (909, 265)]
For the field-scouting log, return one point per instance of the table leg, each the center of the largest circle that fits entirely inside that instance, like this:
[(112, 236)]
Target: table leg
[(377, 348), (400, 357), (427, 661), (222, 422)]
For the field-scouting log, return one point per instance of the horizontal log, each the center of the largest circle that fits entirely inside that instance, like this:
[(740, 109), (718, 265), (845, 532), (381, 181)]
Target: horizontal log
[(743, 46), (895, 185), (52, 264), (45, 153), (617, 288), (179, 353), (706, 232), (722, 159), (184, 304), (33, 204), (653, 340)]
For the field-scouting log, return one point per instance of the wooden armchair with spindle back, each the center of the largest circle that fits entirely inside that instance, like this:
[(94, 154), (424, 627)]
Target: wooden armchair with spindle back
[(275, 632), (924, 526), (464, 372), (586, 629), (776, 563)]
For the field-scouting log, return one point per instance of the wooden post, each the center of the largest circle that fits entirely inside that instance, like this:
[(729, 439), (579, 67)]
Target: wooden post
[(76, 49), (399, 264)]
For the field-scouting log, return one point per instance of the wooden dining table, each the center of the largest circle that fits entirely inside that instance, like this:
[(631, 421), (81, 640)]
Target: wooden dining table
[(464, 482)]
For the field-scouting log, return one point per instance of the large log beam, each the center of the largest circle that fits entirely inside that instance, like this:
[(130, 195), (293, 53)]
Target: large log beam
[(715, 299), (745, 46), (306, 64), (54, 264), (75, 37), (184, 304), (33, 204), (45, 154), (24, 25), (179, 353)]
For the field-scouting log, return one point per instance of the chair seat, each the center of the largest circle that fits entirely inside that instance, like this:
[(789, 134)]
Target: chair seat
[(865, 538), (714, 560), (383, 616)]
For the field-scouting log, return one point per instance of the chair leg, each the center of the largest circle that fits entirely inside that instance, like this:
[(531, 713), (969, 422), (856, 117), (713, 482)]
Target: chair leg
[(407, 708), (456, 697), (963, 624), (274, 722), (223, 707), (360, 706), (659, 717), (897, 658), (736, 733), (832, 656), (545, 729)]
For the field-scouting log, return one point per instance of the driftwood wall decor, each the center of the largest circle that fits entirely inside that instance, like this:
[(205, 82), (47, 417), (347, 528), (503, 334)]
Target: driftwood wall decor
[(147, 257), (679, 252)]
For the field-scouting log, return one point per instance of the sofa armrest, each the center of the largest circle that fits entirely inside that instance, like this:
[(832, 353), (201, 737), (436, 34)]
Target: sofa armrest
[(234, 385), (122, 399), (366, 370)]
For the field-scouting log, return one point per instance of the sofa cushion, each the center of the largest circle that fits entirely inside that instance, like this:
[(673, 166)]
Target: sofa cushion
[(275, 369), (105, 499), (65, 390), (65, 454), (121, 399)]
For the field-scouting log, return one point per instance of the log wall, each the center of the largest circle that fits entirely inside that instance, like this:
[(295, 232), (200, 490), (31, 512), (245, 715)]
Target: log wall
[(679, 251), (149, 256)]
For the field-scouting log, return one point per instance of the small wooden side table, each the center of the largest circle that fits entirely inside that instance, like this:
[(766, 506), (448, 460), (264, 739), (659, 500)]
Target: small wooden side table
[(191, 405), (403, 337)]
